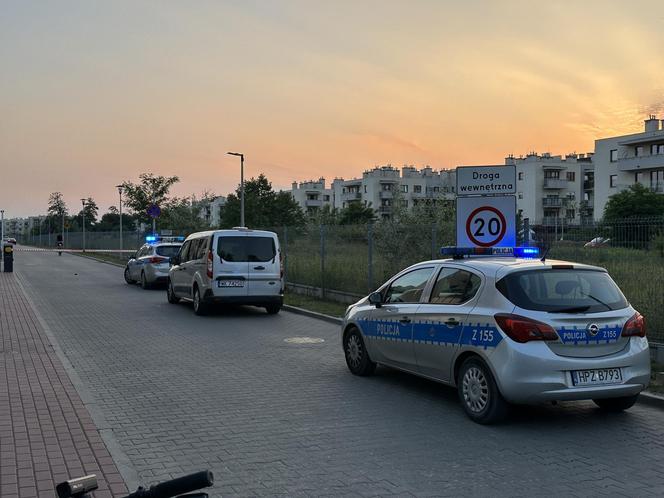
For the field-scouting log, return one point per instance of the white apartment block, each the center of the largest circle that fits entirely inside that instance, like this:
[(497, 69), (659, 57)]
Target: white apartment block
[(553, 190), (378, 188), (628, 159), (211, 211)]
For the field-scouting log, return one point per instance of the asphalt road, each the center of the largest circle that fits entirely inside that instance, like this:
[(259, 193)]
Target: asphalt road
[(180, 393)]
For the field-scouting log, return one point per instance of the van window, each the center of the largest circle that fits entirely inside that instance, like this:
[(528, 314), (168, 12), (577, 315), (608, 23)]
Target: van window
[(562, 291), (246, 249)]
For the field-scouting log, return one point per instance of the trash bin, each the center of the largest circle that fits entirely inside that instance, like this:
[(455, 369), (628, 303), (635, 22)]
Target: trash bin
[(8, 257)]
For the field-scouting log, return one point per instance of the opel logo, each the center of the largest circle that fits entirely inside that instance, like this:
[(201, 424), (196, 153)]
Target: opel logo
[(592, 329)]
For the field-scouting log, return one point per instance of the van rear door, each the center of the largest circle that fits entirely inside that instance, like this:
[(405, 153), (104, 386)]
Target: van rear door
[(230, 267), (264, 264)]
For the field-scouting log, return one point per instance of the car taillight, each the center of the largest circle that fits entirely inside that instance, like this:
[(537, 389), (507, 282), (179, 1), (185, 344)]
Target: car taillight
[(157, 259), (522, 329), (209, 264), (635, 326)]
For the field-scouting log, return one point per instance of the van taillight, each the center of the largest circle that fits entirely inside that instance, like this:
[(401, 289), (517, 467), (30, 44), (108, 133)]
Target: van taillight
[(635, 326), (522, 329), (209, 264)]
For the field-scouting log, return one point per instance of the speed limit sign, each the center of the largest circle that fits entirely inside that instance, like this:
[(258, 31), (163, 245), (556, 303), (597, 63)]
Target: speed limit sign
[(486, 221)]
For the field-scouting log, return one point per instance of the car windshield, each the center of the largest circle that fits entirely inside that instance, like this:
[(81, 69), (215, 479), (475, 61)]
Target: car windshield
[(168, 251), (562, 291), (246, 249)]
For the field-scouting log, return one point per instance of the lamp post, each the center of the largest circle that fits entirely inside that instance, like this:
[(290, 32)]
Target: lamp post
[(120, 192), (241, 185), (2, 225), (83, 220)]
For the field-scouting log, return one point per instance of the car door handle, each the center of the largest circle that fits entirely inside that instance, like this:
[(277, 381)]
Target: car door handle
[(259, 268), (452, 322), (404, 320)]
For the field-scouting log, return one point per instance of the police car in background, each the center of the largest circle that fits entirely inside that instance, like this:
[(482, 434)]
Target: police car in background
[(150, 264), (504, 327)]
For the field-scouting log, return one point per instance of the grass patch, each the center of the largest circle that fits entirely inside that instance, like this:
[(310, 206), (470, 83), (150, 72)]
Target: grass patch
[(313, 304), (105, 256)]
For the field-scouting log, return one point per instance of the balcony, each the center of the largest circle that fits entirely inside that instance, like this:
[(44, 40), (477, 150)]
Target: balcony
[(313, 203), (588, 185), (641, 162), (351, 196), (555, 183), (551, 221), (385, 194), (552, 202)]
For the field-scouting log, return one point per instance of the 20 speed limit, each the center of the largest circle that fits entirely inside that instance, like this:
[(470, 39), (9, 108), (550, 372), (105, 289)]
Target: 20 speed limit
[(486, 226)]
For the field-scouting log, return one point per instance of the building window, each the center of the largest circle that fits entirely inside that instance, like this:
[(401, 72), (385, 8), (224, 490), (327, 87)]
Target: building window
[(520, 195), (326, 197), (552, 174), (404, 189), (520, 175), (365, 189), (653, 149), (660, 149), (586, 196), (571, 175), (638, 151), (614, 155), (417, 189), (657, 180), (436, 189), (638, 177), (613, 181), (570, 214)]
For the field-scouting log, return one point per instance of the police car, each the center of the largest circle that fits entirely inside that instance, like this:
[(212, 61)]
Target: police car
[(150, 264), (504, 326)]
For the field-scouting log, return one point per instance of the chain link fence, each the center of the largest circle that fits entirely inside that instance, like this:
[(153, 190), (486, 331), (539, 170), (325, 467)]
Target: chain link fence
[(344, 262)]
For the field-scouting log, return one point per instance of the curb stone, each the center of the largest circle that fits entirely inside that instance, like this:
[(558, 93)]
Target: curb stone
[(312, 314)]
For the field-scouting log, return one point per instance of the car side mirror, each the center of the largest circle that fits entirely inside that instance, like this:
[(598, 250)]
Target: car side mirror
[(376, 298), (175, 260)]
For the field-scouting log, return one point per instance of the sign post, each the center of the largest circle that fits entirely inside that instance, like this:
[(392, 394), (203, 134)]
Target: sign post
[(154, 212), (486, 206)]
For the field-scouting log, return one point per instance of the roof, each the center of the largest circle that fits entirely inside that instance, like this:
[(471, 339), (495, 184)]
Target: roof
[(492, 265)]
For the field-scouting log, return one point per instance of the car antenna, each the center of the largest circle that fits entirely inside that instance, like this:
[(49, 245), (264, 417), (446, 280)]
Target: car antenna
[(546, 251)]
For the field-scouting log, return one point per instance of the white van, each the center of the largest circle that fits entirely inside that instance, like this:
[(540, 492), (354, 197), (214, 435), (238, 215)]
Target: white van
[(238, 266)]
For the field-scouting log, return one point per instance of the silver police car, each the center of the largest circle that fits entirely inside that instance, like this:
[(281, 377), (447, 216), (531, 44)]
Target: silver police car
[(504, 329), (150, 264)]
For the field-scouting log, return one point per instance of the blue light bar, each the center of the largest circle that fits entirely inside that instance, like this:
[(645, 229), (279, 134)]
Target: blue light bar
[(527, 252), (150, 238), (517, 252)]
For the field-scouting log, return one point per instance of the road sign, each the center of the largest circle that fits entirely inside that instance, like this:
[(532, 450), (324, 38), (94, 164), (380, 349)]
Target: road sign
[(67, 226), (486, 221), (154, 211), (485, 180)]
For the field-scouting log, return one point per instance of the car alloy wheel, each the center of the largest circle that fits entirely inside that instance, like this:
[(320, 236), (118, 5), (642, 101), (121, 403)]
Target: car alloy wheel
[(126, 276), (475, 390), (357, 356), (170, 294), (199, 305)]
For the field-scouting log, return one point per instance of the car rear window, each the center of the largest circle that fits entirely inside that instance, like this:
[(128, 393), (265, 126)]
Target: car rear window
[(168, 251), (562, 291), (246, 249)]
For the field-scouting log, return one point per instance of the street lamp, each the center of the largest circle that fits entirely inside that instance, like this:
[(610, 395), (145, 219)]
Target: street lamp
[(83, 219), (241, 185), (119, 187), (2, 225)]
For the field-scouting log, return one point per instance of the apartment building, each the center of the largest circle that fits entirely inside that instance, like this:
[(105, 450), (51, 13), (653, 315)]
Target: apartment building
[(312, 194), (628, 159), (380, 188), (554, 189), (211, 211)]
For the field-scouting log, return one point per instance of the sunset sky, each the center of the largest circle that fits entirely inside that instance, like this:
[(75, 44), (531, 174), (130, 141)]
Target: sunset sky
[(93, 93)]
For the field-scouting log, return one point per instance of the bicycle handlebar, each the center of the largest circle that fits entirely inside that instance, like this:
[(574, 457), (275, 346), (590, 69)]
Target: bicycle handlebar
[(178, 486)]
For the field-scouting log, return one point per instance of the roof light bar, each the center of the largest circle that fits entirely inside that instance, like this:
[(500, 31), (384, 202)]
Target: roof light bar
[(517, 252)]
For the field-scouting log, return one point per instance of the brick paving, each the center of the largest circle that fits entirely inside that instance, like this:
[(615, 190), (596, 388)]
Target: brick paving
[(46, 433), (182, 393)]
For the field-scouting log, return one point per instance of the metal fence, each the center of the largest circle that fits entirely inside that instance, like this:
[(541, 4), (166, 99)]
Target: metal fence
[(343, 261)]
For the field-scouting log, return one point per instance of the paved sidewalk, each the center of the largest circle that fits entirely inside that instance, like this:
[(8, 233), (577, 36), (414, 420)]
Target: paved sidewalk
[(46, 433)]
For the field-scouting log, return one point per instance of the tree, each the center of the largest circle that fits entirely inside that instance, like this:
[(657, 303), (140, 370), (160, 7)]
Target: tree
[(152, 189), (629, 215), (356, 214), (90, 210), (57, 211), (183, 214), (326, 215), (262, 206), (110, 222), (635, 202)]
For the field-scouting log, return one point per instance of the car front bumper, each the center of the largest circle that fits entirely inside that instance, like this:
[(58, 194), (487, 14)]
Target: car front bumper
[(531, 372)]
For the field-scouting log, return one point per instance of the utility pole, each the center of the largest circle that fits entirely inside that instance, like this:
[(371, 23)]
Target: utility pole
[(120, 192), (2, 224), (83, 220), (241, 185)]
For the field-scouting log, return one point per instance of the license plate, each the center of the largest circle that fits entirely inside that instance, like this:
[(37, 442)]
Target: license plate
[(596, 377), (230, 283)]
